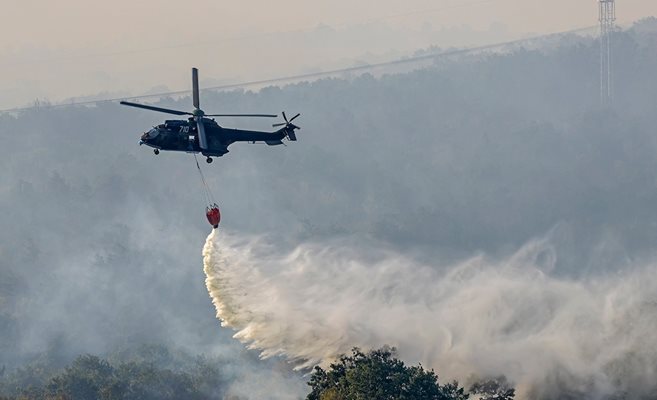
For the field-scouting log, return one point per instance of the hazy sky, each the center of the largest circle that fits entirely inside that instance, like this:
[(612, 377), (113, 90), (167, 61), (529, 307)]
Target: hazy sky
[(72, 48)]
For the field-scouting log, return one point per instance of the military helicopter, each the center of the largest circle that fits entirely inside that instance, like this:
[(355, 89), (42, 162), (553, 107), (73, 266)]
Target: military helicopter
[(199, 134)]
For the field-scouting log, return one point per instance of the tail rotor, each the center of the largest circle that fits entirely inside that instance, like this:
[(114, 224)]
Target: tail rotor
[(289, 126)]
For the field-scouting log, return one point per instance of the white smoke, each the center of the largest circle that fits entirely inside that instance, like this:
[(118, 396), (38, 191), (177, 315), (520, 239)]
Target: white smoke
[(476, 318)]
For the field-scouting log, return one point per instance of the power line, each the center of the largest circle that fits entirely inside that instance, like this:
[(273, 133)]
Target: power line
[(316, 75)]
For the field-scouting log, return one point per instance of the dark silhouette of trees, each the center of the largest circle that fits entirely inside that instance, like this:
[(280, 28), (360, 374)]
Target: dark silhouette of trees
[(493, 389), (151, 373), (379, 375)]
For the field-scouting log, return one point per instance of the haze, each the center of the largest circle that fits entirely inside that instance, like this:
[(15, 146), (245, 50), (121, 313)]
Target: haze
[(55, 51), (482, 212)]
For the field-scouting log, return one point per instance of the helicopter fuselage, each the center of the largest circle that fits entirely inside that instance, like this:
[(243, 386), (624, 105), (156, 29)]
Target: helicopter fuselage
[(182, 135)]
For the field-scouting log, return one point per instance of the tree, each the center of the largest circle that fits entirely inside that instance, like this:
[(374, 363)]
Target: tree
[(493, 389), (83, 379), (378, 375), (90, 377)]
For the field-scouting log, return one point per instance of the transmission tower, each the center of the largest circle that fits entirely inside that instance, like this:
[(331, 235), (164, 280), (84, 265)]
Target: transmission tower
[(607, 19)]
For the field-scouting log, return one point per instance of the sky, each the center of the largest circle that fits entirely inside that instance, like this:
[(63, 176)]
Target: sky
[(73, 48)]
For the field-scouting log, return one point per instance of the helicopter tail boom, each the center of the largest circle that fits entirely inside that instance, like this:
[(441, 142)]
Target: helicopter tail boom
[(291, 135)]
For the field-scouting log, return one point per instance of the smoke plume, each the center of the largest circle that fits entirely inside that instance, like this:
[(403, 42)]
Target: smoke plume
[(477, 318)]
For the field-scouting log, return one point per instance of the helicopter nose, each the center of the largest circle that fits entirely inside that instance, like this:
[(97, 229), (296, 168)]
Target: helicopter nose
[(150, 134)]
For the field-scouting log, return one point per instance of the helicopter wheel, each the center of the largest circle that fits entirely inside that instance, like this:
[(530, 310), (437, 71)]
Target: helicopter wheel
[(208, 160), (156, 151)]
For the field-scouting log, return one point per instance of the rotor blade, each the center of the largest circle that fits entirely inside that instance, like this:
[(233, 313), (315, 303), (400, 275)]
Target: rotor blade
[(202, 139), (293, 118), (284, 117), (242, 115), (281, 124), (152, 108), (195, 96)]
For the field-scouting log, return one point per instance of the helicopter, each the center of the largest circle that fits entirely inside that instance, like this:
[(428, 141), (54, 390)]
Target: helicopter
[(199, 134)]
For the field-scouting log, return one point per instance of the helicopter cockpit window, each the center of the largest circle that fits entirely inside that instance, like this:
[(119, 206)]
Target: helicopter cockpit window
[(153, 133)]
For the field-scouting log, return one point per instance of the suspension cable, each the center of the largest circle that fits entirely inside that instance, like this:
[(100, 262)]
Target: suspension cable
[(206, 189)]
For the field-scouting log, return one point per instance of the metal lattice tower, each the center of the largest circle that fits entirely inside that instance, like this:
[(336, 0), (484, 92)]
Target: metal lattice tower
[(607, 19)]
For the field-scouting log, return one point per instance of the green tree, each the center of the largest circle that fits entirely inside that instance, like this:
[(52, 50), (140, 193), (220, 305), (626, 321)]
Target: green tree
[(84, 379), (378, 375), (144, 381), (90, 377)]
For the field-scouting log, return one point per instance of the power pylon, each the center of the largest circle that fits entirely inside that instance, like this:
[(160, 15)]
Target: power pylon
[(607, 19)]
